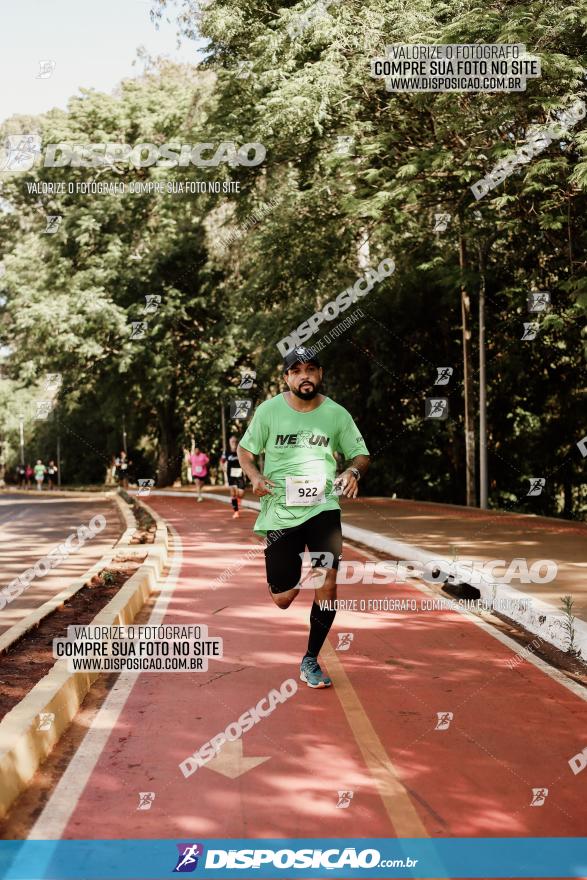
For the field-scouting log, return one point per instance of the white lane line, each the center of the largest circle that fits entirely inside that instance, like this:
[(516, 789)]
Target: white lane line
[(57, 811)]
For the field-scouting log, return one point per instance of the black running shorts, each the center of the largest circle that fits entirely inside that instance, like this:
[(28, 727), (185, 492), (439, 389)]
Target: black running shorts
[(321, 534), (239, 482)]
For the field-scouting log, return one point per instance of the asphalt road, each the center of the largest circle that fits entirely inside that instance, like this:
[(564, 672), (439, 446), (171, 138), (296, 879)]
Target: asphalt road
[(31, 525)]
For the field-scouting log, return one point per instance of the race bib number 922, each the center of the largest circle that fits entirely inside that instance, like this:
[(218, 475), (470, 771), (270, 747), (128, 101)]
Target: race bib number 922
[(304, 491)]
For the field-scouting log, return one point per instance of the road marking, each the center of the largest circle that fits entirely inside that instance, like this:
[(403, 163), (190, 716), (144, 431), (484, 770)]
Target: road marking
[(57, 811), (231, 762), (397, 802)]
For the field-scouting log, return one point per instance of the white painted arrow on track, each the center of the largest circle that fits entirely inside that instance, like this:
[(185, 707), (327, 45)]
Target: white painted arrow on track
[(231, 762)]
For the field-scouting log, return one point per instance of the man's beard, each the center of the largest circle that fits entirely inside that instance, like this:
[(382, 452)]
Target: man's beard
[(307, 395)]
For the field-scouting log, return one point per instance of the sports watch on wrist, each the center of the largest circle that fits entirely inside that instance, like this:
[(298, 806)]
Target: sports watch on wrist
[(356, 473)]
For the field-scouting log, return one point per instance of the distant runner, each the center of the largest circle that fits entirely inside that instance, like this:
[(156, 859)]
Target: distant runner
[(234, 474), (199, 462), (52, 474), (40, 471), (299, 431), (121, 464)]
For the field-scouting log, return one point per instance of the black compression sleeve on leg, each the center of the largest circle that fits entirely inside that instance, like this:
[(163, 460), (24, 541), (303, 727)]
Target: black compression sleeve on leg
[(234, 503), (320, 623)]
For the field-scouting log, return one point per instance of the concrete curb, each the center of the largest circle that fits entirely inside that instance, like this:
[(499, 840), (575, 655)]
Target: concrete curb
[(538, 617), (23, 745), (127, 515)]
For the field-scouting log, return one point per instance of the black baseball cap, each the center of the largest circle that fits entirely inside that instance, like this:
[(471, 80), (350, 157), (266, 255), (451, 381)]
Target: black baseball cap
[(300, 355)]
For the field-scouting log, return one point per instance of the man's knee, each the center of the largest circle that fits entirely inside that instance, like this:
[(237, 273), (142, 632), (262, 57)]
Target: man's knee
[(330, 579), (283, 599), (328, 588)]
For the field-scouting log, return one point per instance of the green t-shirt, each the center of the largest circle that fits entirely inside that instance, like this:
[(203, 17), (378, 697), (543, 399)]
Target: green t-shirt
[(299, 444), (39, 471)]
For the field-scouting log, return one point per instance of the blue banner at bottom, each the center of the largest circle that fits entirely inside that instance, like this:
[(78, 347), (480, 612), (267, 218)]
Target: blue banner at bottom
[(307, 858)]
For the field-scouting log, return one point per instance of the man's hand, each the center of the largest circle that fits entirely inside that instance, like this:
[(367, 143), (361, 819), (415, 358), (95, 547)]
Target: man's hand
[(260, 484), (349, 484)]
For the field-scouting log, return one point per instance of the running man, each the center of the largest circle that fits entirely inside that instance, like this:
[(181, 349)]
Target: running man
[(233, 473), (299, 431)]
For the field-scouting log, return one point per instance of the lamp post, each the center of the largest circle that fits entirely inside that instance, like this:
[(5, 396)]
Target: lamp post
[(2, 464), (223, 423), (482, 404), (483, 478), (21, 430)]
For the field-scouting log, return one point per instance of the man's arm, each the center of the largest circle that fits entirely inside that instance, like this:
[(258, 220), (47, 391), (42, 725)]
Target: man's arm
[(361, 463), (349, 480), (247, 462)]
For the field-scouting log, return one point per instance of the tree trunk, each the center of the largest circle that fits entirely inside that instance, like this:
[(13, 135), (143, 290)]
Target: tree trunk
[(471, 494), (568, 497), (483, 476), (170, 453), (168, 460)]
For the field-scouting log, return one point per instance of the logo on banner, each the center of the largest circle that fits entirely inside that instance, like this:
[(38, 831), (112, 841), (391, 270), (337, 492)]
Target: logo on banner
[(187, 860)]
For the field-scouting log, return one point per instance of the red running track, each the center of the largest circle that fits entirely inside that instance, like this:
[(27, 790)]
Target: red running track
[(374, 733)]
